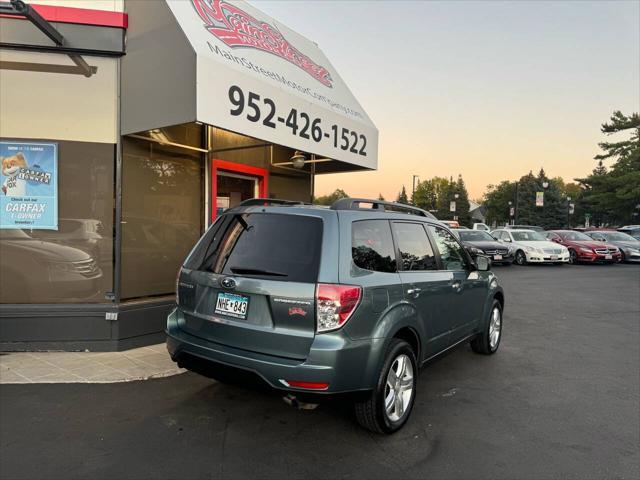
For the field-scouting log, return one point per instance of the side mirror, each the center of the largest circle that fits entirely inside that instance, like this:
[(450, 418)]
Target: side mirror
[(555, 239), (483, 263)]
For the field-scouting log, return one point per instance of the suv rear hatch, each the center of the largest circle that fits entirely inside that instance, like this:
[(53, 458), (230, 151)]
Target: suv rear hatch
[(250, 283)]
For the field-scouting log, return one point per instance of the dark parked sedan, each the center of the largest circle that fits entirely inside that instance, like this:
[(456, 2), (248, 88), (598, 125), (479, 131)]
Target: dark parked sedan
[(480, 242)]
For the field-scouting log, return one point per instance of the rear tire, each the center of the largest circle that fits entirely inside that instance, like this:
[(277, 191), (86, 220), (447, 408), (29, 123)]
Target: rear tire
[(488, 341), (384, 411)]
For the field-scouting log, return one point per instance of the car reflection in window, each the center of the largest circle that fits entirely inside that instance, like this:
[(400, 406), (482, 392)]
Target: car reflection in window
[(367, 258)]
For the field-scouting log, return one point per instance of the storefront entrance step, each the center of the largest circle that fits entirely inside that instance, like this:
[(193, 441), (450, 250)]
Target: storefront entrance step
[(87, 367)]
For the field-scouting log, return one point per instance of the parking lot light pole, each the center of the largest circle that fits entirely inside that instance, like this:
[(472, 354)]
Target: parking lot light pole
[(515, 215), (455, 206), (413, 191), (510, 219), (568, 212), (545, 185)]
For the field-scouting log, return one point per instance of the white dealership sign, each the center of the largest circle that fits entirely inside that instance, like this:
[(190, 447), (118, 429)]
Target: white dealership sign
[(257, 77)]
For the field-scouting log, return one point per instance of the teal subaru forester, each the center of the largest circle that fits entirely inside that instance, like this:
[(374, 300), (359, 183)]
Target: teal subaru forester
[(353, 299)]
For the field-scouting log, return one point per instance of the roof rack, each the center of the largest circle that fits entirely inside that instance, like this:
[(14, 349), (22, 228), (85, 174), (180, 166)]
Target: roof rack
[(354, 204), (267, 201)]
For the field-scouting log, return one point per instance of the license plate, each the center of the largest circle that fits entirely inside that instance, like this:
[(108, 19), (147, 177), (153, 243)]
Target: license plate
[(497, 257), (232, 305), (554, 257), (608, 257)]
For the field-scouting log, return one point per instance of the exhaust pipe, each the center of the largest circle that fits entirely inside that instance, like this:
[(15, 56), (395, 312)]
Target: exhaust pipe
[(293, 401)]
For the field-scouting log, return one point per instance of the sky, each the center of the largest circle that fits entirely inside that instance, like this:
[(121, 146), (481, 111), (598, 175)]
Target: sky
[(486, 89)]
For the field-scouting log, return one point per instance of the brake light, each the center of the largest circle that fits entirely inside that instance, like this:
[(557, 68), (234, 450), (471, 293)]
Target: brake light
[(334, 305)]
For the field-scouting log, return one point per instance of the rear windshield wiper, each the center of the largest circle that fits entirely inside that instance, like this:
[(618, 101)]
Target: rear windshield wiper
[(257, 271)]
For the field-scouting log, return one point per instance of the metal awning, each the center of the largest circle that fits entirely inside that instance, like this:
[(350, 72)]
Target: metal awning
[(234, 67)]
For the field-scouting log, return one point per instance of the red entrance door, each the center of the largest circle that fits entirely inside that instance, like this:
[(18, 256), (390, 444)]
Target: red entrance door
[(232, 183)]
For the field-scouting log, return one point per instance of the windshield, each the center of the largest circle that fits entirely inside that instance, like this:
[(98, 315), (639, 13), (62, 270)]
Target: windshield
[(475, 236), (529, 236), (617, 236), (577, 236)]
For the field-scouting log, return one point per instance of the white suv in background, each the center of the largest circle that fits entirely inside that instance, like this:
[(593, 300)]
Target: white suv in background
[(532, 247), (481, 226)]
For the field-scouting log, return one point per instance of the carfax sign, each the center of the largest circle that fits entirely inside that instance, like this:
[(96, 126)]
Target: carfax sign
[(29, 183)]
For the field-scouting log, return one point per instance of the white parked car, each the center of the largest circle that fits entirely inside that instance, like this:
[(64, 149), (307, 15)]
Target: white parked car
[(532, 247)]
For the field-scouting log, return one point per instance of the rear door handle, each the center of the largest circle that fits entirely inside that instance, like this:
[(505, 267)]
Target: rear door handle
[(414, 291), (457, 286)]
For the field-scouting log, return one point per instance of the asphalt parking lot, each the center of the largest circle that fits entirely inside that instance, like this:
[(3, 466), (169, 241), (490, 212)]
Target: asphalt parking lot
[(561, 399)]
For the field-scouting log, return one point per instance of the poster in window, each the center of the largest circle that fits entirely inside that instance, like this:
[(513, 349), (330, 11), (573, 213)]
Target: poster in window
[(29, 185)]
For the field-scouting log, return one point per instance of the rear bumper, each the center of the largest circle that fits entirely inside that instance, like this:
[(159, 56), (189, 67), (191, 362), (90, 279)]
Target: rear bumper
[(346, 365)]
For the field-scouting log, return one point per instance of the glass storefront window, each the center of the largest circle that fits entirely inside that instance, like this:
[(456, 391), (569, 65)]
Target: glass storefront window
[(74, 263), (162, 209)]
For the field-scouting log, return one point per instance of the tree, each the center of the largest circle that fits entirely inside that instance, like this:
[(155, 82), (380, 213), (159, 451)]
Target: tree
[(380, 197), (611, 196), (496, 202), (446, 189), (337, 194), (553, 214), (426, 195), (462, 203), (402, 196), (600, 169)]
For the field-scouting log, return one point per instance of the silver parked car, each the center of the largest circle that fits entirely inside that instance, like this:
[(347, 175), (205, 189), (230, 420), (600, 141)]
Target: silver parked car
[(629, 246)]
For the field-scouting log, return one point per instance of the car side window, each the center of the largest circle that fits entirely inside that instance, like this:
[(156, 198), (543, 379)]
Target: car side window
[(372, 246), (505, 236), (414, 246), (451, 252)]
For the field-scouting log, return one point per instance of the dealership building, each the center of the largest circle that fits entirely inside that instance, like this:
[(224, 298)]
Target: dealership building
[(126, 127)]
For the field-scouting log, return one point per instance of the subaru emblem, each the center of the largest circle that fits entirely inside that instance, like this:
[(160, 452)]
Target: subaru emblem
[(228, 283)]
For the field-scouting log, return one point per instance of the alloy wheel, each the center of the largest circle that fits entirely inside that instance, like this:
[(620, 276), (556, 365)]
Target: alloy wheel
[(573, 257), (520, 258), (398, 392), (495, 328)]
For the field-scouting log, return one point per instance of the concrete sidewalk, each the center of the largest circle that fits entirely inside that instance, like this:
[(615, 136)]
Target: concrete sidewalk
[(87, 367)]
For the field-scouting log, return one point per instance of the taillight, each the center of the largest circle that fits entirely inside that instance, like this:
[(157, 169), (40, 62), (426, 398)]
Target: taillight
[(335, 304)]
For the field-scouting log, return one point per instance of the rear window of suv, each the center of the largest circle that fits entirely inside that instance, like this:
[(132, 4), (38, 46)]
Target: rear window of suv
[(270, 246)]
